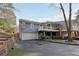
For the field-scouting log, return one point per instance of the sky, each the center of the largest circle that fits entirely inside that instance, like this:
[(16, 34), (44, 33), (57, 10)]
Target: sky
[(42, 11)]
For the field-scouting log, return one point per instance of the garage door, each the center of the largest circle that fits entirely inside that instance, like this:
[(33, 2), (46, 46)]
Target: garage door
[(29, 36)]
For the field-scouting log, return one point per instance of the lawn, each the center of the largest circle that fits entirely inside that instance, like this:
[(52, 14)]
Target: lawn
[(17, 52)]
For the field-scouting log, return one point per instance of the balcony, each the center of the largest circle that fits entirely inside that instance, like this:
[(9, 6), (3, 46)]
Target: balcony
[(46, 29)]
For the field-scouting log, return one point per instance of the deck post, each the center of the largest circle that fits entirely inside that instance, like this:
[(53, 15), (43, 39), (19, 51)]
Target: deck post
[(51, 35), (44, 34), (60, 34), (76, 33)]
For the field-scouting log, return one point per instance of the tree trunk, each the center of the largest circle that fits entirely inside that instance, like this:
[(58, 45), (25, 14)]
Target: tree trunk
[(69, 31), (67, 27), (64, 17)]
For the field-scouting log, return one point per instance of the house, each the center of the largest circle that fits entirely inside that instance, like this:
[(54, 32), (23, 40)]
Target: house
[(28, 29), (48, 30)]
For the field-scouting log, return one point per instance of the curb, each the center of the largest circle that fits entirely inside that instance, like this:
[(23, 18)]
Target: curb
[(63, 43)]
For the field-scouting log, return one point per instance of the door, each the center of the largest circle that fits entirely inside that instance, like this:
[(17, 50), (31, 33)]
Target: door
[(29, 36)]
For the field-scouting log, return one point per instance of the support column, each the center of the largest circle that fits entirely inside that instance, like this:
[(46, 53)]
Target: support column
[(39, 35), (51, 34), (44, 34), (60, 34), (76, 34)]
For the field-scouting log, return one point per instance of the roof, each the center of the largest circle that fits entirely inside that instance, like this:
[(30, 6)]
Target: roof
[(49, 22), (57, 22), (25, 20)]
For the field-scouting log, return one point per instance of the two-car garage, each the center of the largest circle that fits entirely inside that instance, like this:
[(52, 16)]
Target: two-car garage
[(29, 36)]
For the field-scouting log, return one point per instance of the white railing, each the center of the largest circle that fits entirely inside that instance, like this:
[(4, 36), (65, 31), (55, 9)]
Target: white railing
[(41, 28), (48, 28)]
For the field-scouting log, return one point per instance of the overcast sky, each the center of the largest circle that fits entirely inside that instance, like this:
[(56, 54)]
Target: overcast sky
[(42, 11)]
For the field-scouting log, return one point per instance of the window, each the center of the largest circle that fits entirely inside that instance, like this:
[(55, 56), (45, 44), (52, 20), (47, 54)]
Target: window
[(44, 27), (32, 25), (48, 25), (40, 25), (23, 24)]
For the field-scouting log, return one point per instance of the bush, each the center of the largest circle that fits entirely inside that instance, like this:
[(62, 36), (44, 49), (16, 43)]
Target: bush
[(57, 37), (5, 26)]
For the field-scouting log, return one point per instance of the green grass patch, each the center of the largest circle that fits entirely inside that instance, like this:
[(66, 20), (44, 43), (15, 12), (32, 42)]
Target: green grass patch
[(17, 52)]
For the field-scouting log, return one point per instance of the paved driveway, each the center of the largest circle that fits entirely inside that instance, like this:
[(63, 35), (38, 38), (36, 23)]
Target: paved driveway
[(42, 48)]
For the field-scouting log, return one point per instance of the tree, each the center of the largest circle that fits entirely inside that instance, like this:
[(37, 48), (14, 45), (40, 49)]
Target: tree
[(4, 25), (68, 23), (6, 10), (77, 15), (68, 26), (5, 22), (70, 15), (77, 18)]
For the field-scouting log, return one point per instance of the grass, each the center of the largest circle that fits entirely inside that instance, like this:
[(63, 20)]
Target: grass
[(17, 52)]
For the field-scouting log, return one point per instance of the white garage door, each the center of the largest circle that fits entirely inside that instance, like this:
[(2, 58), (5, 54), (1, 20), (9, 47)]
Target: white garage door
[(29, 36)]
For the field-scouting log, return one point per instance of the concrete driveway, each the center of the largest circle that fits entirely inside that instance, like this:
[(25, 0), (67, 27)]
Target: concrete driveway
[(42, 48)]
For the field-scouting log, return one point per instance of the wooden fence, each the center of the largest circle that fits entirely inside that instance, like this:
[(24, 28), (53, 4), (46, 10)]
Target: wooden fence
[(7, 42)]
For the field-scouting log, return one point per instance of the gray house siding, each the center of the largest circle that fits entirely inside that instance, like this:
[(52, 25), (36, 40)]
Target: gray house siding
[(29, 28)]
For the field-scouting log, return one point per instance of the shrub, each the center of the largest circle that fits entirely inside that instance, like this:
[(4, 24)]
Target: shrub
[(5, 26)]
